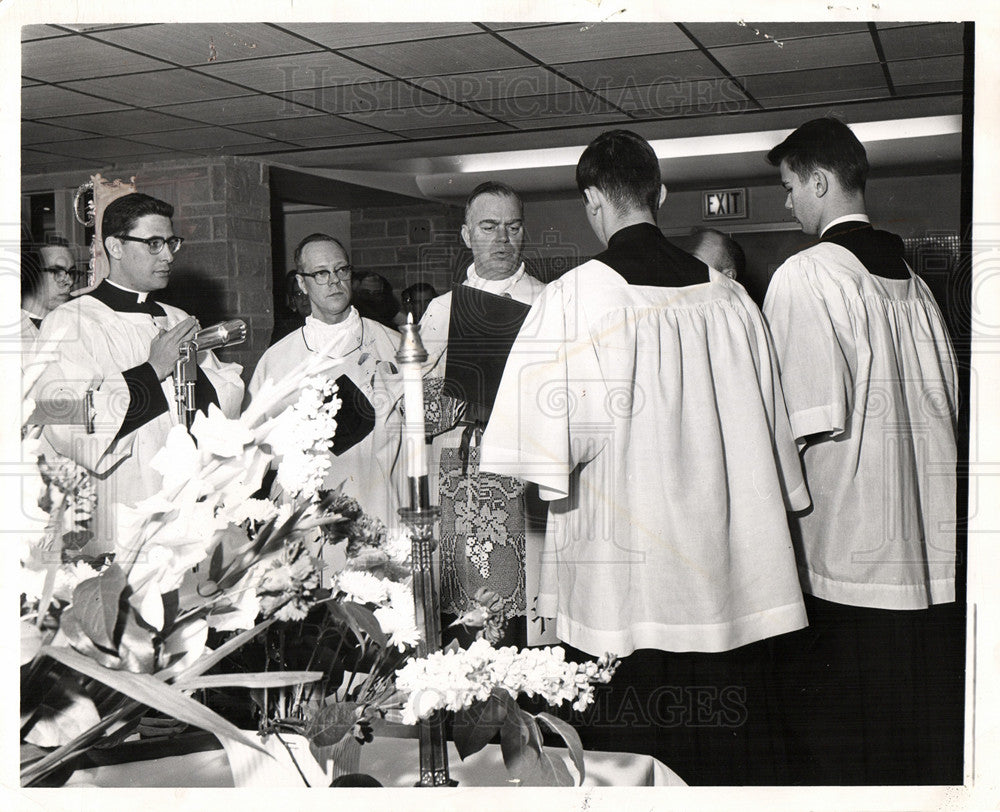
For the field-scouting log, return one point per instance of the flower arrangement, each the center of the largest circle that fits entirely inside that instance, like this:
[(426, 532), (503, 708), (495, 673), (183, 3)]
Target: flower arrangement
[(105, 637), (210, 589)]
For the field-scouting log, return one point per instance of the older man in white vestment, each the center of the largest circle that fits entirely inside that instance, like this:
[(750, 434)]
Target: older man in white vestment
[(485, 536), (646, 405), (366, 444), (122, 343), (871, 383)]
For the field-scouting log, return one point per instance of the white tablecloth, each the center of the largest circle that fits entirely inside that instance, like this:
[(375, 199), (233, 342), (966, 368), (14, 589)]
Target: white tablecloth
[(392, 761)]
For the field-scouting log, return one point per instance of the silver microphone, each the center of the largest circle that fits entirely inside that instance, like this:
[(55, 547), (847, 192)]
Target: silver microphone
[(223, 334)]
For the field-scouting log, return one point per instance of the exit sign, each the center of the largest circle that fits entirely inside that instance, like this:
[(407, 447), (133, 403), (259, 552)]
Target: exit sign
[(724, 204)]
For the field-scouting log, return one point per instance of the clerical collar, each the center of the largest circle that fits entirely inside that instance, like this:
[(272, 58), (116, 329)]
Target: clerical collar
[(140, 296), (334, 340), (498, 287), (847, 218), (124, 300)]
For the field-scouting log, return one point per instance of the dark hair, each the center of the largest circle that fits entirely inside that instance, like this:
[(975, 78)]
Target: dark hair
[(491, 187), (31, 272), (824, 143), (624, 167), (419, 290), (733, 251), (317, 237), (124, 212), (295, 297)]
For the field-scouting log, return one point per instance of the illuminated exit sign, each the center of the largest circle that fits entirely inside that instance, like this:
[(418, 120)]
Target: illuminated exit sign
[(724, 204)]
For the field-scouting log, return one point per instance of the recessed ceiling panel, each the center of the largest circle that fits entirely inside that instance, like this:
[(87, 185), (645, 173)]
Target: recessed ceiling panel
[(498, 84), (829, 96), (566, 43), (239, 109), (641, 70), (425, 117), (455, 55), (329, 141), (98, 148), (198, 44), (712, 35), (124, 122), (797, 54), (33, 132), (32, 32), (295, 72), (38, 162), (80, 57), (557, 105), (489, 127), (944, 39), (349, 35), (922, 71), (360, 97), (607, 118), (42, 101), (201, 138), (817, 80), (158, 88), (677, 96), (294, 129)]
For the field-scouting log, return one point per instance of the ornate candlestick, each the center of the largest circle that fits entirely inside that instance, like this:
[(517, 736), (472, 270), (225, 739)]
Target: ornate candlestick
[(420, 516)]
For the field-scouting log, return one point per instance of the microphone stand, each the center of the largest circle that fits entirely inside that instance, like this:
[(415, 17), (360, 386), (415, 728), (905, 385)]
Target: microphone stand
[(223, 334), (420, 516)]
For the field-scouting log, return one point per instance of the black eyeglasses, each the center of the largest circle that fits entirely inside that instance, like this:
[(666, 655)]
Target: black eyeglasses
[(155, 244), (72, 271), (323, 277)]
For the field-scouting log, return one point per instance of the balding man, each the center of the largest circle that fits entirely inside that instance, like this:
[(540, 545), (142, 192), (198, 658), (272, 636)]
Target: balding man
[(483, 533), (719, 251), (366, 445)]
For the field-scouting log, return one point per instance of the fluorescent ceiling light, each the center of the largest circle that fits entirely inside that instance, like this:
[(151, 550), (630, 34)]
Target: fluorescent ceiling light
[(731, 144)]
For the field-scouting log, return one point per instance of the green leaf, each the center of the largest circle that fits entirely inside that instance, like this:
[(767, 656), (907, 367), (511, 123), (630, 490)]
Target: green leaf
[(63, 714), (475, 727), (261, 679), (151, 691), (366, 620), (213, 658), (552, 772), (136, 646), (95, 604), (520, 741), (332, 723), (570, 736)]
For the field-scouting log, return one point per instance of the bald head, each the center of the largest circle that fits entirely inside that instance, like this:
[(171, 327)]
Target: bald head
[(719, 251)]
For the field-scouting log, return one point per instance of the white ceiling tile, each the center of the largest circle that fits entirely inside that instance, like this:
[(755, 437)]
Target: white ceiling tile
[(797, 54), (158, 88), (295, 72), (349, 35), (42, 101), (197, 44), (566, 43), (79, 58), (454, 55)]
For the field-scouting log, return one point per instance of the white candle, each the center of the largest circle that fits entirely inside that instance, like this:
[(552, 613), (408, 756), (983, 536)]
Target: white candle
[(410, 358)]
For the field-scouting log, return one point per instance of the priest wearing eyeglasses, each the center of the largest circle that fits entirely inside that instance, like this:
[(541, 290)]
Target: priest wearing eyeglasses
[(365, 447), (120, 342)]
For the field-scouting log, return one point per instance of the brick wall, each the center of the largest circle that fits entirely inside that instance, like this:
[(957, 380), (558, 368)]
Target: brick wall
[(222, 209), (408, 244)]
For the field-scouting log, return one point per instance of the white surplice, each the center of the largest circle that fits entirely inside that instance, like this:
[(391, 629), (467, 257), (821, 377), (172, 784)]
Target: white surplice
[(652, 419), (94, 344), (869, 374)]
